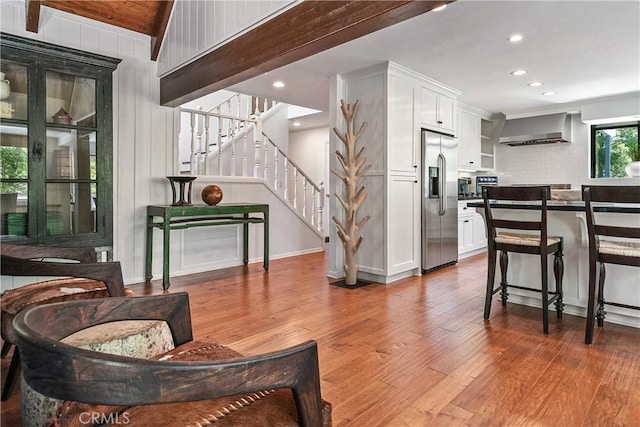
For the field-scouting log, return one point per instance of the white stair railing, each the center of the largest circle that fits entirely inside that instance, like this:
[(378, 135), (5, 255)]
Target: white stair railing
[(301, 192), (219, 140)]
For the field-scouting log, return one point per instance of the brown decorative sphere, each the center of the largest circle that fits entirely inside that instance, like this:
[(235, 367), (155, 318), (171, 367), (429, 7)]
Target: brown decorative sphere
[(211, 194)]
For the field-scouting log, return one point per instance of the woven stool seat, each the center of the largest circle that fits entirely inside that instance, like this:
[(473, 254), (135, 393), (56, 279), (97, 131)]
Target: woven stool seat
[(630, 249), (524, 239)]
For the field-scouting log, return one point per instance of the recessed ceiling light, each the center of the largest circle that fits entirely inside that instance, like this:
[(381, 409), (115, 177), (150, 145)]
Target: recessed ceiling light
[(548, 93), (515, 38), (278, 84), (439, 8), (296, 124), (535, 84), (519, 72)]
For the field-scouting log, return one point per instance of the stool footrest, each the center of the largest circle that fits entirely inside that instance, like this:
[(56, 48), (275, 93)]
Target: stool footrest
[(554, 294), (532, 289)]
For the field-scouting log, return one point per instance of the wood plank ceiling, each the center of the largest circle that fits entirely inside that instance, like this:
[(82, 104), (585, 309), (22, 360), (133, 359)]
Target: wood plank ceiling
[(148, 17)]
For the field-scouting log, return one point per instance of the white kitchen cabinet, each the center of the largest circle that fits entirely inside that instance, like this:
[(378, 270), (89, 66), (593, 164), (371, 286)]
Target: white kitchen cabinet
[(403, 151), (471, 232), (475, 139), (404, 223), (479, 231), (404, 142), (487, 144), (437, 111), (468, 141), (465, 233)]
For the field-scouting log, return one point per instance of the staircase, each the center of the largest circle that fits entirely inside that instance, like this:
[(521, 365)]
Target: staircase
[(228, 141)]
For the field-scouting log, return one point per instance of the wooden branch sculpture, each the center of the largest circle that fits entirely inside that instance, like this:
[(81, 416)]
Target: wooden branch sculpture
[(352, 169)]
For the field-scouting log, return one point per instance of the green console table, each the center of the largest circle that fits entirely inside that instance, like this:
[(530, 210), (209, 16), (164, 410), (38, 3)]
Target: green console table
[(168, 218)]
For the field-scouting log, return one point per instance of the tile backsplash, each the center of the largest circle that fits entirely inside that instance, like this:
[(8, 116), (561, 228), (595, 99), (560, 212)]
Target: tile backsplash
[(566, 163)]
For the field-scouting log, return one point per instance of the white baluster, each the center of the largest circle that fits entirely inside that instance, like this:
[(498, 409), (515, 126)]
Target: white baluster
[(192, 160), (286, 179), (220, 123), (257, 148), (304, 197), (313, 205), (206, 142), (256, 110), (295, 188), (230, 136), (265, 161), (244, 148), (321, 207), (275, 168)]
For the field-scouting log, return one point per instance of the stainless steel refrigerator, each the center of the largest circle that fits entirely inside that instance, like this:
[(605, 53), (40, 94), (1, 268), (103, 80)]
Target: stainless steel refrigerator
[(439, 200)]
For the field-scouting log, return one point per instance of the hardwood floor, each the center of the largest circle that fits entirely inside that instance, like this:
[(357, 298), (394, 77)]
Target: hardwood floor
[(418, 352)]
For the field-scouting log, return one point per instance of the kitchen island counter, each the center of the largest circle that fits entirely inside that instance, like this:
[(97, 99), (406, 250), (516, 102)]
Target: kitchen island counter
[(557, 205), (568, 219)]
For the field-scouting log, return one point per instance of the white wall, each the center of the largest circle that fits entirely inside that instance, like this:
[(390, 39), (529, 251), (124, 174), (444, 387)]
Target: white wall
[(198, 26), (548, 164), (310, 150), (565, 163), (275, 124)]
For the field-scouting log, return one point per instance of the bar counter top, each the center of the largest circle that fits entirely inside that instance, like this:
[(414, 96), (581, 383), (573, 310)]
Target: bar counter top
[(559, 205)]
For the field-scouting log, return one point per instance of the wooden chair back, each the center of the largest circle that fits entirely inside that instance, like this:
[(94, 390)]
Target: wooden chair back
[(598, 227), (65, 372), (516, 194), (23, 260)]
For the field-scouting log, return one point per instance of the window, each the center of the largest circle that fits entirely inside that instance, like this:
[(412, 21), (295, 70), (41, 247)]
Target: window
[(613, 147)]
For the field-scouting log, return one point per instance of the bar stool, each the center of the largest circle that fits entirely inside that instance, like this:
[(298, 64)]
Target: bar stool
[(525, 243), (607, 250)]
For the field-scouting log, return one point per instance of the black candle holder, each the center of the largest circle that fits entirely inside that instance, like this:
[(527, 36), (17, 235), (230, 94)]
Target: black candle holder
[(182, 180)]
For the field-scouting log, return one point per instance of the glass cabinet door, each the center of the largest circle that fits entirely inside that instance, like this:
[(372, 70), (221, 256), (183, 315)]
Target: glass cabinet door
[(71, 165), (13, 91), (14, 151), (55, 144)]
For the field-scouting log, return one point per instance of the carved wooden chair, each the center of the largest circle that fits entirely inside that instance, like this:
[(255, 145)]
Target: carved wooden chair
[(195, 384), (84, 278), (609, 243), (534, 241)]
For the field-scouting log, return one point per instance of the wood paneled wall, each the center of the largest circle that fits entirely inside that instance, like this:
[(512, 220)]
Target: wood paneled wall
[(143, 130), (145, 152), (198, 26)]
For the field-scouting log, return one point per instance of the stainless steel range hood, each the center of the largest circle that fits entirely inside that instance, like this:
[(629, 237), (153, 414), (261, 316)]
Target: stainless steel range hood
[(549, 129)]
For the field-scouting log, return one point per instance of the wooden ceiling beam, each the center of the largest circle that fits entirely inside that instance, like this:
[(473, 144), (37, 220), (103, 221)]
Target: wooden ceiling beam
[(32, 11), (162, 20), (304, 30)]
